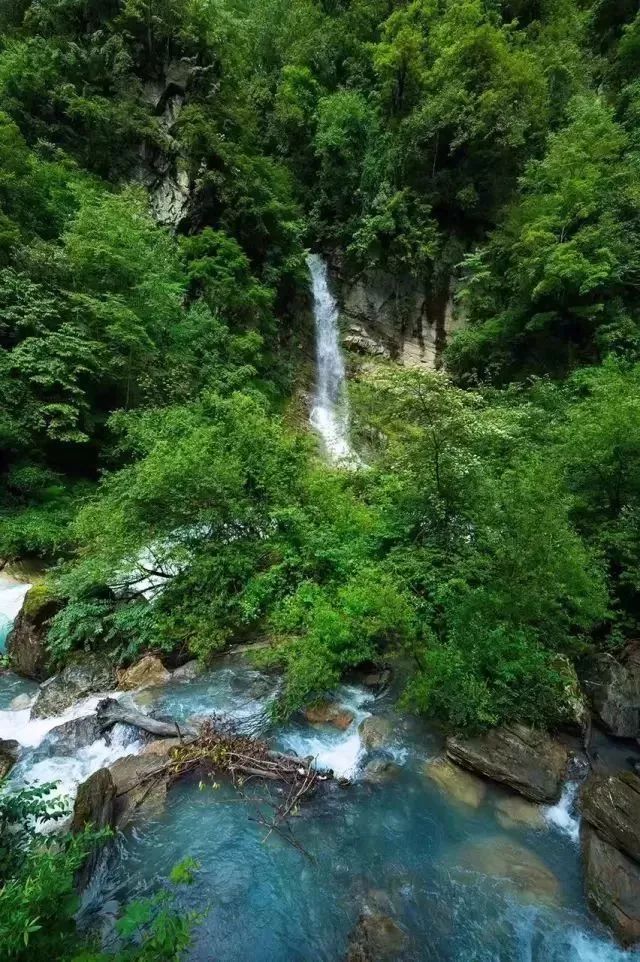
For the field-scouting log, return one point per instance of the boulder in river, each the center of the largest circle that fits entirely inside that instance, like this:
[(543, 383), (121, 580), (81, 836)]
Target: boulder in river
[(70, 737), (94, 808), (9, 752), (458, 784), (141, 782), (189, 671), (611, 805), (329, 713), (376, 938), (26, 645), (85, 675), (529, 761), (612, 881), (380, 768), (375, 732), (610, 838), (613, 685), (95, 802), (146, 673)]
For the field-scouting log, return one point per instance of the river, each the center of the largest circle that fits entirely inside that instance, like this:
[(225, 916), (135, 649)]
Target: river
[(460, 886)]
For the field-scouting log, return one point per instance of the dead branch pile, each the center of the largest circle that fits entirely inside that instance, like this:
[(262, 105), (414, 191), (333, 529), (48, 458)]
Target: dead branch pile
[(219, 749)]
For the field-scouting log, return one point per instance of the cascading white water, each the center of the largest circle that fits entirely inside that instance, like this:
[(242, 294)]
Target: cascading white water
[(330, 411), (12, 595)]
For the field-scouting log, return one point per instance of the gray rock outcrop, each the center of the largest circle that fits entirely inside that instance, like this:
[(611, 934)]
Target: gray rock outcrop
[(610, 838), (528, 761), (395, 317), (26, 645), (85, 675), (613, 686)]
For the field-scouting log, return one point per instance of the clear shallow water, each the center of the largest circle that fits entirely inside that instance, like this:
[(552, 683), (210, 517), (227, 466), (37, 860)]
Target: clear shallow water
[(444, 871)]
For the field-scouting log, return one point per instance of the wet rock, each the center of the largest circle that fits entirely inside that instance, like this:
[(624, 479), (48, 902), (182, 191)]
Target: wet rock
[(612, 882), (329, 713), (70, 737), (376, 938), (95, 802), (188, 672), (520, 868), (512, 811), (94, 808), (377, 679), (529, 761), (146, 673), (26, 645), (390, 315), (611, 805), (457, 783), (380, 768), (162, 747), (613, 685), (141, 782), (86, 675), (375, 732), (9, 754)]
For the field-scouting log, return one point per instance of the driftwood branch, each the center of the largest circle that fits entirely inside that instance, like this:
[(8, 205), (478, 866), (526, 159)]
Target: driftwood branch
[(110, 712)]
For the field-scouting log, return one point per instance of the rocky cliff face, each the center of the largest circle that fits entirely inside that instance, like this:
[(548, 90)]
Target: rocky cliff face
[(394, 317), (162, 168)]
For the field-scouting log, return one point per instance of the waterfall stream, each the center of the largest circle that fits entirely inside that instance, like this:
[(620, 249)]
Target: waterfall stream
[(330, 411), (392, 844)]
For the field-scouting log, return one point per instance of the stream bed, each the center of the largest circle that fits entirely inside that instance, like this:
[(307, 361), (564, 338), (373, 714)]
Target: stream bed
[(461, 886)]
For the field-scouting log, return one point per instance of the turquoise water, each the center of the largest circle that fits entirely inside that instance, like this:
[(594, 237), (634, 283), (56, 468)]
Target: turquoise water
[(461, 887), (441, 870)]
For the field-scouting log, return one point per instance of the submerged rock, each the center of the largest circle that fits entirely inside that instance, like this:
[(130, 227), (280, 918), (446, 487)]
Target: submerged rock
[(613, 685), (375, 732), (512, 811), (329, 713), (380, 768), (458, 784), (376, 938), (21, 702), (26, 645), (146, 673), (520, 868), (529, 761), (612, 882), (9, 753), (611, 805), (86, 675)]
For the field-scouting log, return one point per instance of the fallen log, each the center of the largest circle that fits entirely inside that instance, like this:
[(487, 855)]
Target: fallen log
[(110, 712)]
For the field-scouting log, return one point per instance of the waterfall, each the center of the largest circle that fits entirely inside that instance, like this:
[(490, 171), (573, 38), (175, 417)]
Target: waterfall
[(12, 594), (330, 411)]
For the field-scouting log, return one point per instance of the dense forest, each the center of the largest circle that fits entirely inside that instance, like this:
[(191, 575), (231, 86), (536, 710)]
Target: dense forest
[(165, 166)]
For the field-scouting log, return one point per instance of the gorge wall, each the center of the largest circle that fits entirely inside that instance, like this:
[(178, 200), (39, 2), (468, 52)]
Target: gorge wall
[(394, 317)]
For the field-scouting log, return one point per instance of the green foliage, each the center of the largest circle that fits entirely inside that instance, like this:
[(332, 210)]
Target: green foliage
[(39, 896)]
